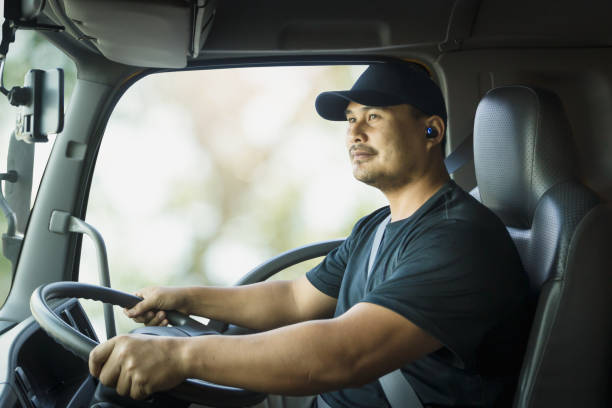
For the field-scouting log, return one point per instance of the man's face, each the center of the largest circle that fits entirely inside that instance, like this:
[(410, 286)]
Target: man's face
[(387, 146)]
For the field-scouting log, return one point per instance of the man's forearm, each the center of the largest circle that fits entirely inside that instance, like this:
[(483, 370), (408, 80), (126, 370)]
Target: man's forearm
[(310, 357), (260, 306), (304, 358), (300, 359)]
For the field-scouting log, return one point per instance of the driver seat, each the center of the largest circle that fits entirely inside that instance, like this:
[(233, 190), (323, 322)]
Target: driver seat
[(527, 174)]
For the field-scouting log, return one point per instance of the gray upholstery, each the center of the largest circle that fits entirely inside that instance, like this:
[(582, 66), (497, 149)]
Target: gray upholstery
[(513, 172), (568, 359), (544, 247), (526, 174)]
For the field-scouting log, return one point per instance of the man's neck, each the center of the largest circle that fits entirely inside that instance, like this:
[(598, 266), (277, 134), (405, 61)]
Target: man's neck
[(405, 200)]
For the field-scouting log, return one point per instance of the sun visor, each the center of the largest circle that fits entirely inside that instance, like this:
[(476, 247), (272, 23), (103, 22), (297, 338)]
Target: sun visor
[(143, 33)]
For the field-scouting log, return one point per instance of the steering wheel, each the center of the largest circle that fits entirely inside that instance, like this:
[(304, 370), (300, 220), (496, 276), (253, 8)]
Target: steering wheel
[(192, 390)]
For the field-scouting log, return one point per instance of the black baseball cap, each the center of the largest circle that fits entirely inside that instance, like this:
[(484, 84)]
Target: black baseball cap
[(386, 84)]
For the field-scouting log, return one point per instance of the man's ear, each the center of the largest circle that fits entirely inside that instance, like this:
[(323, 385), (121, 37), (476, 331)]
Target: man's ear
[(435, 130)]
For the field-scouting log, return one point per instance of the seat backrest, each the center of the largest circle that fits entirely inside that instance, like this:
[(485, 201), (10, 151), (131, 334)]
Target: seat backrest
[(527, 174)]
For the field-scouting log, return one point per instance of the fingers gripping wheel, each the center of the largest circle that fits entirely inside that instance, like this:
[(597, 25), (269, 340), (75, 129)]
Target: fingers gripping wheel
[(192, 390)]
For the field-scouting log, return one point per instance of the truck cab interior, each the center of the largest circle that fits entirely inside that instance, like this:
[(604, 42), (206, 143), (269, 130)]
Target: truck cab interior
[(528, 90)]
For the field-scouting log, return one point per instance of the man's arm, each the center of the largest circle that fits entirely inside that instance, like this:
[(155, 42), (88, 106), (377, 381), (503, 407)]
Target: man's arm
[(304, 358), (261, 306)]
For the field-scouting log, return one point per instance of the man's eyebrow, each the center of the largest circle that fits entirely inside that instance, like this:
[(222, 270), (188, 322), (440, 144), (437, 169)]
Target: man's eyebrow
[(363, 108)]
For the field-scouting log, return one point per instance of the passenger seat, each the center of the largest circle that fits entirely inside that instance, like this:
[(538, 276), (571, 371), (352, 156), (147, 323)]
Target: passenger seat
[(526, 172)]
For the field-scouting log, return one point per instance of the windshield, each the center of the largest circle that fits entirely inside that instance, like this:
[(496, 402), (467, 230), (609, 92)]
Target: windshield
[(201, 176)]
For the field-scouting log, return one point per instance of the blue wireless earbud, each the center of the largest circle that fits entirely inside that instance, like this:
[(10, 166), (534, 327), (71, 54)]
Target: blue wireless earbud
[(431, 133)]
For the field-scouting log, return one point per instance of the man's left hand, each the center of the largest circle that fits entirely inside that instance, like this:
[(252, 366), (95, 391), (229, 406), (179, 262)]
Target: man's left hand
[(138, 365)]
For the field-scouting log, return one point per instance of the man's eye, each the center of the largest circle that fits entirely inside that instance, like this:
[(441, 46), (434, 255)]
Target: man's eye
[(372, 116), (350, 120)]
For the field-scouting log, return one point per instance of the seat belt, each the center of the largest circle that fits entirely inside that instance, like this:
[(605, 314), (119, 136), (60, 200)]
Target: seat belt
[(461, 155), (397, 389), (380, 231)]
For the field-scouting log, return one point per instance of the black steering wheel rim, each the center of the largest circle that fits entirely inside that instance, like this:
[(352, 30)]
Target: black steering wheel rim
[(192, 390)]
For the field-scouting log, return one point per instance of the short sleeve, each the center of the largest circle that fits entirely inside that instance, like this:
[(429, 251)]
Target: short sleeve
[(327, 276), (448, 284)]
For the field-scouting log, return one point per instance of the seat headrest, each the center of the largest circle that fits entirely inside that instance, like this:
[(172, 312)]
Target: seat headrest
[(522, 147)]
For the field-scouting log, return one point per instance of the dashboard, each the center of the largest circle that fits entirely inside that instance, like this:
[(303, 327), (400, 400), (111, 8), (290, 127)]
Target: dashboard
[(38, 372)]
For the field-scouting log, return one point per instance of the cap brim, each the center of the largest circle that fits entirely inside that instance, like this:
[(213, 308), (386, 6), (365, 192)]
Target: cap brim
[(332, 105)]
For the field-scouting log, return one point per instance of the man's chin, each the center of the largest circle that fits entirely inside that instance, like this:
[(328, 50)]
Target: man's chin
[(366, 178)]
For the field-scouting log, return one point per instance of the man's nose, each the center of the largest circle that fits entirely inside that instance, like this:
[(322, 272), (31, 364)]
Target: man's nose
[(356, 132)]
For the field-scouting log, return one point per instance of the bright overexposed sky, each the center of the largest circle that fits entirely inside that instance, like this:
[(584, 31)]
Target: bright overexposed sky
[(152, 144)]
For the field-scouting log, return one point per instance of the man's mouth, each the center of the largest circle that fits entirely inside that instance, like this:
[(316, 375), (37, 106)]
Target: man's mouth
[(359, 153)]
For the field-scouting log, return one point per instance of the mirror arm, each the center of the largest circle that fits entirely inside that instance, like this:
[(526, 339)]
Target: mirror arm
[(2, 88), (9, 27), (8, 36), (27, 25)]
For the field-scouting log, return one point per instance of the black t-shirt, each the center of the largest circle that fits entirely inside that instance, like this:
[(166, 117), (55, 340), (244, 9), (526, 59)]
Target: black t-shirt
[(452, 269)]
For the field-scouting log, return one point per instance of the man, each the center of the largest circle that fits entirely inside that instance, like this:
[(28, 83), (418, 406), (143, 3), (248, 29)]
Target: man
[(442, 295)]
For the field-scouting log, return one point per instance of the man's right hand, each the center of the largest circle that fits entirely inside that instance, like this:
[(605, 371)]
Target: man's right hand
[(260, 306), (151, 309)]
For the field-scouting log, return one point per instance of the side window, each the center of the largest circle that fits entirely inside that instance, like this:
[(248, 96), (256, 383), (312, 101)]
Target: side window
[(28, 51), (202, 176)]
